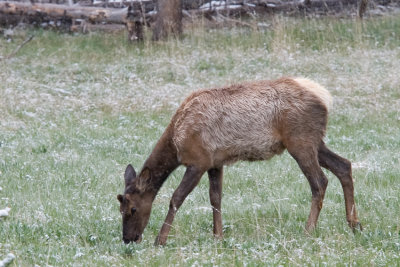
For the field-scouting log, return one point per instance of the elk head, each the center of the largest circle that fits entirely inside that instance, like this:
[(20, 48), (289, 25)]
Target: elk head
[(135, 205)]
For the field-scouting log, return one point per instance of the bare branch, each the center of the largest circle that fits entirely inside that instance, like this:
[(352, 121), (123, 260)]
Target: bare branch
[(27, 40)]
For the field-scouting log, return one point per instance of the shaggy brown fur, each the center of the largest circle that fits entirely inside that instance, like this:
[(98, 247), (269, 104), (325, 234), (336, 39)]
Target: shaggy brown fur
[(249, 121)]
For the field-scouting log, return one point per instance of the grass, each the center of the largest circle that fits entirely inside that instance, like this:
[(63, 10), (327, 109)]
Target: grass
[(76, 109)]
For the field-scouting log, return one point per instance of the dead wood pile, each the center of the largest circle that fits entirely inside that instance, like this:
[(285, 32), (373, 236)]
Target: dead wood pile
[(135, 13)]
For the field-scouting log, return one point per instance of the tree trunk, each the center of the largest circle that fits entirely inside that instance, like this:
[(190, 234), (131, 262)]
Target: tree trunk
[(135, 21), (362, 8), (169, 19)]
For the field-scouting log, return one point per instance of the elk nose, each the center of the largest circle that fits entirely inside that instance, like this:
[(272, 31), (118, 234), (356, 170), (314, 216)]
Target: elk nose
[(126, 241), (136, 238)]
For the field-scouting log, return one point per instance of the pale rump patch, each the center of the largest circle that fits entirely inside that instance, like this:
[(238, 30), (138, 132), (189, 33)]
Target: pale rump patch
[(316, 89)]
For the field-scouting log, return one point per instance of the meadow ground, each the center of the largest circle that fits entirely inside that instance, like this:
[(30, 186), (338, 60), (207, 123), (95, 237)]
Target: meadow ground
[(76, 109)]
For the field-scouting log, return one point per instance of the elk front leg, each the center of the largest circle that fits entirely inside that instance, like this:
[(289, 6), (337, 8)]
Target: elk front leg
[(215, 177), (190, 180), (341, 167)]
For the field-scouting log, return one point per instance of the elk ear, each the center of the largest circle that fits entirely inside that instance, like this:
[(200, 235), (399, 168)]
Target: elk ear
[(145, 179), (145, 174), (130, 175), (120, 198)]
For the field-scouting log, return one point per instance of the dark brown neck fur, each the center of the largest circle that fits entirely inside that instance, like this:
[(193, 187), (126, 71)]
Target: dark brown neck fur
[(162, 161)]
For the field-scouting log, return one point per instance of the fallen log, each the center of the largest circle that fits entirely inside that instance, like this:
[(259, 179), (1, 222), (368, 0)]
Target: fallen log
[(146, 5), (272, 6), (56, 12), (77, 18)]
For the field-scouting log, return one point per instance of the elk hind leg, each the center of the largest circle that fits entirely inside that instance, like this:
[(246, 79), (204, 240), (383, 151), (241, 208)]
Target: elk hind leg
[(341, 168), (306, 157)]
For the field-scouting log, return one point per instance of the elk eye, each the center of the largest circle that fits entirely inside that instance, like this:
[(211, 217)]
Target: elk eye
[(133, 210)]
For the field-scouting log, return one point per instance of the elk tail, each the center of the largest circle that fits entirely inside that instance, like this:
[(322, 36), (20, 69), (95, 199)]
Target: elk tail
[(317, 90)]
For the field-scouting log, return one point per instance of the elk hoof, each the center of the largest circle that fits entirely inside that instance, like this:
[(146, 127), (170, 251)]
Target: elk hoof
[(309, 229), (218, 237), (356, 226), (160, 241)]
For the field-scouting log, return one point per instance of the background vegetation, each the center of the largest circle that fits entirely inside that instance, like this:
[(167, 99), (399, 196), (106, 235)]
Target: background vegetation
[(76, 109)]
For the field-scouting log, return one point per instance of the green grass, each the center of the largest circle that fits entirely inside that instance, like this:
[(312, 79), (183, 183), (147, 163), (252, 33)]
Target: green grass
[(76, 109)]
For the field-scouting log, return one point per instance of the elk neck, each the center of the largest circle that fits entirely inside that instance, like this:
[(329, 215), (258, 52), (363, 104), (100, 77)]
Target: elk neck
[(161, 163)]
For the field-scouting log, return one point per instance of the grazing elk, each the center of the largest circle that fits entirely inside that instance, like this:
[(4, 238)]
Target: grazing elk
[(249, 121)]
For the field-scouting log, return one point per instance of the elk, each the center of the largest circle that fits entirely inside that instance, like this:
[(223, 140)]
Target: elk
[(249, 121)]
